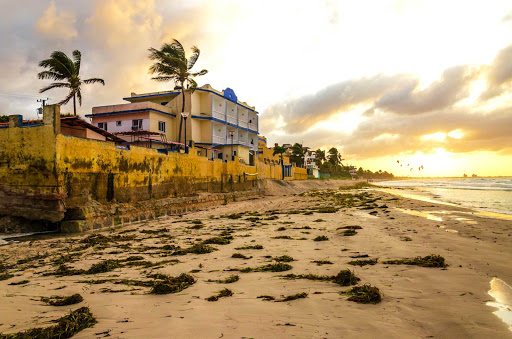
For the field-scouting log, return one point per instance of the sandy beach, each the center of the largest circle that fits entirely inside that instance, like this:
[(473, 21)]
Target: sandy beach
[(417, 302)]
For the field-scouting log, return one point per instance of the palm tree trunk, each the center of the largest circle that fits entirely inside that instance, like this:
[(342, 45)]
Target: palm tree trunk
[(74, 104), (182, 110)]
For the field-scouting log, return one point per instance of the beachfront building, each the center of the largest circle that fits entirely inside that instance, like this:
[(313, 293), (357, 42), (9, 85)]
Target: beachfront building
[(266, 154), (311, 165), (218, 124)]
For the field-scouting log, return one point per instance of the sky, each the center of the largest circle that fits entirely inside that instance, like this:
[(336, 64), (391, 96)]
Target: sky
[(394, 85)]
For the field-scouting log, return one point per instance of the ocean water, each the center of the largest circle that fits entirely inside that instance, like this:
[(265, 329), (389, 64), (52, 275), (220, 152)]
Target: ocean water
[(487, 194)]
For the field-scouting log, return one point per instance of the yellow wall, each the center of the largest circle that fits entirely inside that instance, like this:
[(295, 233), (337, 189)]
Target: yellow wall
[(139, 167), (300, 173), (27, 158)]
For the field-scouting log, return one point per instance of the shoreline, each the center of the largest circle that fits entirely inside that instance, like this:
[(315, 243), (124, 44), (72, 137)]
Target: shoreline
[(417, 301)]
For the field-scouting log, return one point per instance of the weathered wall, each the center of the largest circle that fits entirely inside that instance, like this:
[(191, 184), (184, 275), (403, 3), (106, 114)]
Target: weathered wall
[(99, 170), (300, 173), (50, 176), (29, 180)]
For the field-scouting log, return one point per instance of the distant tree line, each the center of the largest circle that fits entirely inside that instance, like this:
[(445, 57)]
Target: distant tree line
[(367, 174)]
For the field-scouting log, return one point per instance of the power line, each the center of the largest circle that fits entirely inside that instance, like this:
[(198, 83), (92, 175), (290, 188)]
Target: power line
[(28, 96)]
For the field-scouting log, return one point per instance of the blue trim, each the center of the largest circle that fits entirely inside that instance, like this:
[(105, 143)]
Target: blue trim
[(262, 139), (225, 123), (151, 96), (230, 95), (220, 95), (222, 145), (129, 112), (24, 125)]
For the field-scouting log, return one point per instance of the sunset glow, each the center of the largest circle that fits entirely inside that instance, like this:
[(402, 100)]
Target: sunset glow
[(427, 81)]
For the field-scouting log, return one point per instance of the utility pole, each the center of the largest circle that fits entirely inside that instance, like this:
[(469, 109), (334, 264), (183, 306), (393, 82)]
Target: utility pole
[(43, 103)]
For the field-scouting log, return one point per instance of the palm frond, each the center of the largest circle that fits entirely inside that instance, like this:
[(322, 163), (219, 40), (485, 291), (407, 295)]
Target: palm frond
[(77, 56), (179, 47), (79, 96), (193, 58), (163, 78), (66, 99), (44, 75), (196, 74), (54, 85), (163, 69), (193, 85), (94, 80), (65, 61)]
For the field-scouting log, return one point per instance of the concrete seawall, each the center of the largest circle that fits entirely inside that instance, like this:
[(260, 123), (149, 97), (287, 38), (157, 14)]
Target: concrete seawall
[(77, 182)]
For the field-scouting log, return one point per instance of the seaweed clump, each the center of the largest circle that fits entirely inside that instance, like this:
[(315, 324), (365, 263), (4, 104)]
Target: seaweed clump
[(63, 301), (217, 241), (361, 262), (222, 294), (170, 284), (66, 327), (103, 266), (294, 297), (229, 280), (277, 267), (432, 260), (365, 294), (200, 248), (250, 247), (284, 258), (240, 256), (321, 238), (344, 277)]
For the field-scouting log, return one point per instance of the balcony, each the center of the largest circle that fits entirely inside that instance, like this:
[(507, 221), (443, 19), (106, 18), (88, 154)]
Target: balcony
[(218, 139), (242, 123), (253, 127), (219, 115), (232, 119)]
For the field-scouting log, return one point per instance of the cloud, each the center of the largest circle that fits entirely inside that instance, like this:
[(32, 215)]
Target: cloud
[(499, 74), (54, 25), (395, 113), (302, 113), (399, 94), (452, 87)]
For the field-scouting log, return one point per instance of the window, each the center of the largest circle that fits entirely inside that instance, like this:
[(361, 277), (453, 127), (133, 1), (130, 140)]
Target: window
[(118, 123), (161, 126), (136, 124), (102, 125)]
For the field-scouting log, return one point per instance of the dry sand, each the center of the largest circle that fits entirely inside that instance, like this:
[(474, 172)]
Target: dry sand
[(417, 301)]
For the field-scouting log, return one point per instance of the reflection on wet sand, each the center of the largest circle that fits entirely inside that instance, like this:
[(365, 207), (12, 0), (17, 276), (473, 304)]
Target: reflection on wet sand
[(502, 293), (426, 198)]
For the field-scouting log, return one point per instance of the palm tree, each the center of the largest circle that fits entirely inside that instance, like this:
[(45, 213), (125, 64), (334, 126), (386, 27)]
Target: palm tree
[(279, 150), (61, 68), (297, 156), (335, 157), (320, 156), (171, 64)]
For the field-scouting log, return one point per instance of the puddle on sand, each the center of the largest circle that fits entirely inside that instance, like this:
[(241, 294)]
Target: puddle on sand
[(423, 214), (427, 215), (502, 293)]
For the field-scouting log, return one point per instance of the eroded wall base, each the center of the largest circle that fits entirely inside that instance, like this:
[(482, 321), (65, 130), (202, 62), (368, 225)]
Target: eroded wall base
[(96, 216)]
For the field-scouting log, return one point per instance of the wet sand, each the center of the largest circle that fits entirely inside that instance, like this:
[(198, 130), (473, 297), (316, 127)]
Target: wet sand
[(417, 301)]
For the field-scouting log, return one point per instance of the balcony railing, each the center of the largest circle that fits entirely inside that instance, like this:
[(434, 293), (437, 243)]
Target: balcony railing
[(219, 115), (217, 139), (232, 119), (253, 127)]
